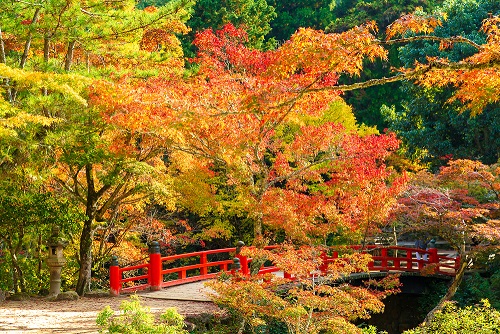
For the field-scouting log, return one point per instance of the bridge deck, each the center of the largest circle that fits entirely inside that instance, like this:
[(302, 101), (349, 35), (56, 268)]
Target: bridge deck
[(190, 291)]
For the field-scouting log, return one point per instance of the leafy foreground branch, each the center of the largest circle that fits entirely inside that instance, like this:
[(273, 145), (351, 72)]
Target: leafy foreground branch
[(313, 300), (137, 319)]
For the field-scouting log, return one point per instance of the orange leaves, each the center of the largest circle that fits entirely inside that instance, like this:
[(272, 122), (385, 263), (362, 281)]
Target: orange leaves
[(491, 27), (415, 22), (476, 79), (156, 39), (315, 300), (151, 9), (478, 88), (315, 53), (298, 215), (466, 171)]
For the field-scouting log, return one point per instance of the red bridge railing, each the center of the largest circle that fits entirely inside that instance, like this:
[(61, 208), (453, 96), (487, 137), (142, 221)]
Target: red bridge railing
[(160, 272)]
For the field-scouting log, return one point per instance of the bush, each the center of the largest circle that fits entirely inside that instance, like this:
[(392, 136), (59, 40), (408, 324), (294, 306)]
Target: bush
[(137, 319), (478, 319)]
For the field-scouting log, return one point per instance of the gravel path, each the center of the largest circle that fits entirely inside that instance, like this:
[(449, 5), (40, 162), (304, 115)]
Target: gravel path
[(38, 315)]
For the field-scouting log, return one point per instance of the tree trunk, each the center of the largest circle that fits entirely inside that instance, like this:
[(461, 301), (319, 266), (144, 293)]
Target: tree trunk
[(87, 236), (46, 49), (46, 53), (27, 45), (85, 272), (39, 255), (450, 293), (69, 56), (17, 275), (3, 59), (257, 231)]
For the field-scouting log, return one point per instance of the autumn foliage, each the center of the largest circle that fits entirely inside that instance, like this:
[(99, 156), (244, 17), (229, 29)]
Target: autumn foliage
[(313, 300), (144, 143)]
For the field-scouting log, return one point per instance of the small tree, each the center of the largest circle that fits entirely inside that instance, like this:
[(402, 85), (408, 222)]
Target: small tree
[(480, 319), (456, 205), (314, 300)]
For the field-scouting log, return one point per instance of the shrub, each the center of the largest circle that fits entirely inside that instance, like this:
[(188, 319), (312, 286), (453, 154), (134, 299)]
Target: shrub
[(477, 319), (137, 319)]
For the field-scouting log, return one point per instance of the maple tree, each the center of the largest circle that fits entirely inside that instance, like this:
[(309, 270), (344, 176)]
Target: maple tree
[(244, 112), (314, 300), (459, 205), (429, 127)]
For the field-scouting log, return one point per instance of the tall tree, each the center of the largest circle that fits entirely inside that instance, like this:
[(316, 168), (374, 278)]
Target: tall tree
[(245, 113), (80, 148)]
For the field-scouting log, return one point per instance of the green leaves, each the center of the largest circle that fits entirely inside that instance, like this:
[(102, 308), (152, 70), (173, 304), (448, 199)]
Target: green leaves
[(134, 318), (480, 319)]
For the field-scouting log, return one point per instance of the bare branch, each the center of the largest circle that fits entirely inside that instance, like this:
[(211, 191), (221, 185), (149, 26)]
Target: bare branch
[(410, 75), (455, 39)]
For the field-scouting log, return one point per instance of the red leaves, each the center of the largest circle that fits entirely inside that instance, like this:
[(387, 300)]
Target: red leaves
[(225, 50), (454, 204)]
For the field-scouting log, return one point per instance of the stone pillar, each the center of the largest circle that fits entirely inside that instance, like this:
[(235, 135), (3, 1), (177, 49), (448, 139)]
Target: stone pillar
[(55, 261), (243, 260)]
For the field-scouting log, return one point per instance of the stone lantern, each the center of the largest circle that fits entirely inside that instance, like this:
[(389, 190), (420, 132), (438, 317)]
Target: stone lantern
[(55, 261)]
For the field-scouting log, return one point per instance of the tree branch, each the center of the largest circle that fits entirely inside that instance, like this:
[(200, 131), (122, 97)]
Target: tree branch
[(410, 75), (454, 39)]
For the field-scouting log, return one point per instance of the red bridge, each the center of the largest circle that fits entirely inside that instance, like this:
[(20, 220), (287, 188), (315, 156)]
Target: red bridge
[(161, 272)]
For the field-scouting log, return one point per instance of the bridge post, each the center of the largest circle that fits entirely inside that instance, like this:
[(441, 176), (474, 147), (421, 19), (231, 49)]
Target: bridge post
[(243, 259), (203, 261), (383, 260), (433, 258), (409, 260), (324, 263), (115, 277), (155, 276)]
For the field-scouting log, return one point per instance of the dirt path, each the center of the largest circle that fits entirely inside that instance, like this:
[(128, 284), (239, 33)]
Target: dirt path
[(40, 316)]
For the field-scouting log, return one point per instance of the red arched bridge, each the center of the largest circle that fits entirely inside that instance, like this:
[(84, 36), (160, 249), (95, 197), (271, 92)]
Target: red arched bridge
[(178, 269)]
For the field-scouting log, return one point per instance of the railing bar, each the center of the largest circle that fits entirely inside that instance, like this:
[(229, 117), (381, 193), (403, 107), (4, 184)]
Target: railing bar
[(135, 278), (139, 266)]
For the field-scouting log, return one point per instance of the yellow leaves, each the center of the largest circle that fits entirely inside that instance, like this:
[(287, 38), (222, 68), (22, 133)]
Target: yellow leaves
[(21, 119), (12, 118), (417, 23), (70, 86)]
